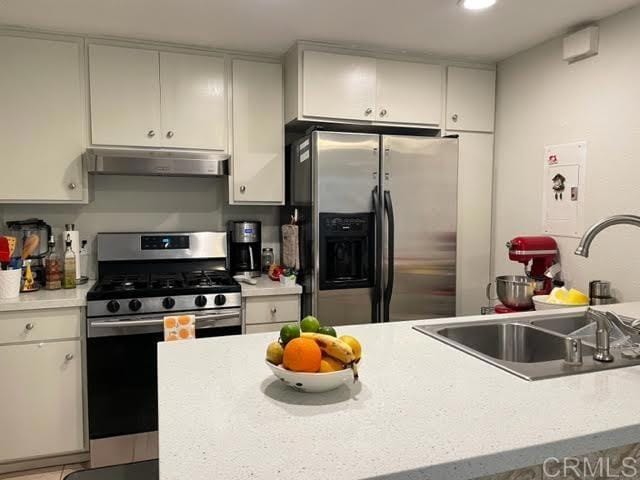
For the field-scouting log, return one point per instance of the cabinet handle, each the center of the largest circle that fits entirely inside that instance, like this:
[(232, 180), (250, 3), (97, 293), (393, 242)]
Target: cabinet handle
[(243, 188), (368, 111), (72, 186), (169, 134), (274, 310), (68, 357), (454, 117), (151, 133), (29, 326), (383, 112)]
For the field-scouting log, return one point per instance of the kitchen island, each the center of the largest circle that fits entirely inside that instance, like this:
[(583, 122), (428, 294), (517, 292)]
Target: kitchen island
[(423, 410)]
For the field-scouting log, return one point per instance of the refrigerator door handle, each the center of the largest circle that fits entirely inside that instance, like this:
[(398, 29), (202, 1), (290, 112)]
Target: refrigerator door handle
[(375, 196), (388, 291)]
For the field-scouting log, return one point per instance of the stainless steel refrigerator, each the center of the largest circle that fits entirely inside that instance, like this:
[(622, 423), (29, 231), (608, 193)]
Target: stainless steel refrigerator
[(377, 218)]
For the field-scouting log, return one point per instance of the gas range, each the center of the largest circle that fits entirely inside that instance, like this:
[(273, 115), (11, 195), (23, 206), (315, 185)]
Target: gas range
[(161, 273), (143, 277)]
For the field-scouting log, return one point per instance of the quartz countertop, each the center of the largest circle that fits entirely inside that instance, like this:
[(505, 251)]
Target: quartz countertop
[(266, 286), (75, 297), (422, 410)]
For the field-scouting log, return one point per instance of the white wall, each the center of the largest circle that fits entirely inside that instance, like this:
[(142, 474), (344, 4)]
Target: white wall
[(541, 100), (127, 203)]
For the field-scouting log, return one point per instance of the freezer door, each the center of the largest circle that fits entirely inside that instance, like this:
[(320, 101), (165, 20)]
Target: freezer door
[(347, 171), (346, 181), (420, 177)]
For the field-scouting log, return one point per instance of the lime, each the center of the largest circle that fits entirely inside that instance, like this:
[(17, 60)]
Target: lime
[(289, 332), (309, 324), (327, 330)]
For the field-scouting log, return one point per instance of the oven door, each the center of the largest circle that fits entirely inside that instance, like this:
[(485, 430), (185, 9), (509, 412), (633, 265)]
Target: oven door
[(122, 368)]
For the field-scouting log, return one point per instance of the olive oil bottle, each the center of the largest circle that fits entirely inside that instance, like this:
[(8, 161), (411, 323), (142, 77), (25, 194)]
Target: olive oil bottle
[(69, 277)]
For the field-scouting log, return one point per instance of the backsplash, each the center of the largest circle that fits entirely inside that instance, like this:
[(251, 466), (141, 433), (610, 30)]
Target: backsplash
[(127, 203)]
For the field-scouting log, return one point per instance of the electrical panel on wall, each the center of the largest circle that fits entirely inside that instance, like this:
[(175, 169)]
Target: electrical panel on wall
[(564, 189)]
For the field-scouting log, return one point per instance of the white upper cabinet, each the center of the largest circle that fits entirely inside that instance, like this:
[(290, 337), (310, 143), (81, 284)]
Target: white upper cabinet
[(125, 96), (193, 101), (471, 97), (258, 133), (41, 120), (148, 98), (341, 87), (408, 92), (338, 86)]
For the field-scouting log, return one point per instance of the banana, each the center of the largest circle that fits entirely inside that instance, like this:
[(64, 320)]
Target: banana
[(332, 346)]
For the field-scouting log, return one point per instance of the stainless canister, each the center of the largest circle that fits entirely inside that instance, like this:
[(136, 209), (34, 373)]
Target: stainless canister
[(600, 293)]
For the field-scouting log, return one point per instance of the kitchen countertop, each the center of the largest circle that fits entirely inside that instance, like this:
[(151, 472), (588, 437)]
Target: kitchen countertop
[(422, 410), (266, 286), (78, 297), (75, 297)]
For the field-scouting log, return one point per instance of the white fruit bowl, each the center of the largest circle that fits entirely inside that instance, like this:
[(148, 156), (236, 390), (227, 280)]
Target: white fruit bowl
[(312, 382), (540, 303)]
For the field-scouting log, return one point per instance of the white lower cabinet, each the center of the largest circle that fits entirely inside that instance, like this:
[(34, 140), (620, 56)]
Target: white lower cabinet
[(269, 313), (475, 193), (41, 399)]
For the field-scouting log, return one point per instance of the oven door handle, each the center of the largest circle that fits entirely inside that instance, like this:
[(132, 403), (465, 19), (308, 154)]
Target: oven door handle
[(160, 321)]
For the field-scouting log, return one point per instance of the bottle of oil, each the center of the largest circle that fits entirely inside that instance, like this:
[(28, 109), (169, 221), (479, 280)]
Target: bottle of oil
[(69, 278), (52, 267)]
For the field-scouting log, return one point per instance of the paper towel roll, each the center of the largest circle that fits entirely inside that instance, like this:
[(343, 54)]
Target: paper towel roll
[(75, 245)]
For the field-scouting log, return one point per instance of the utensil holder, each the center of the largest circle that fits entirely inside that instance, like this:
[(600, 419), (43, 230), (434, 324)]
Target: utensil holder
[(10, 283)]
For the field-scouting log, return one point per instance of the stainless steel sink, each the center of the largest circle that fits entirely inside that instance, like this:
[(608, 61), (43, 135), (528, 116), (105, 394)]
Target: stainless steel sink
[(532, 349), (511, 342)]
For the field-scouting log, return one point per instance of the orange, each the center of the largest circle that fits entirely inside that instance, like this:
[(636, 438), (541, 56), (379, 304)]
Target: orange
[(302, 355), (330, 364), (184, 320), (184, 333), (170, 322)]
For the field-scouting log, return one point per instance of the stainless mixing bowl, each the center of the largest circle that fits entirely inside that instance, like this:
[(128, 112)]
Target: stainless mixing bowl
[(515, 291)]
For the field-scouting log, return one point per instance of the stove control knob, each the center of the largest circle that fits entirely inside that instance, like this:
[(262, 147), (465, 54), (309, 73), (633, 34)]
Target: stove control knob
[(113, 306), (135, 305), (201, 301), (168, 303), (220, 300)]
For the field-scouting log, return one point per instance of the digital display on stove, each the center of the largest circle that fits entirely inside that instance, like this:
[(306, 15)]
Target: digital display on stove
[(164, 242)]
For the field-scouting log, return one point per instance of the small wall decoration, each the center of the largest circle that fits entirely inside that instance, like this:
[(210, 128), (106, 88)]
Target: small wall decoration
[(563, 189)]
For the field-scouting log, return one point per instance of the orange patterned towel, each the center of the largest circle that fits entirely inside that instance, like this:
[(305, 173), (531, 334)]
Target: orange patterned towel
[(182, 327)]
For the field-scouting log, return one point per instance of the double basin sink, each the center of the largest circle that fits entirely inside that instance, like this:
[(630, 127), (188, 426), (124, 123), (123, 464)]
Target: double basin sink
[(533, 349)]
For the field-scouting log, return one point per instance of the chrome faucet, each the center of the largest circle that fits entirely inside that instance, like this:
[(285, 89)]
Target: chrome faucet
[(595, 229), (603, 330)]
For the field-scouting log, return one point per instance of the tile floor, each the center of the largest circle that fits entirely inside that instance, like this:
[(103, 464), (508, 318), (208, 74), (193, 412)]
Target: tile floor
[(49, 473)]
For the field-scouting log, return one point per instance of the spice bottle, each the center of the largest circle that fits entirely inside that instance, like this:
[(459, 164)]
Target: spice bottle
[(52, 267), (69, 278)]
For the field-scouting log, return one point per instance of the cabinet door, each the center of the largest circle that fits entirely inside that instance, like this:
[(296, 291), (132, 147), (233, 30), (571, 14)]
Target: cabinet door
[(41, 400), (258, 132), (194, 113), (408, 92), (338, 86), (125, 96), (475, 181), (471, 95), (41, 120)]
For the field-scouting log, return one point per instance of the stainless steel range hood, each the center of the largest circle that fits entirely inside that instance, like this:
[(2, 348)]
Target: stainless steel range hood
[(179, 163)]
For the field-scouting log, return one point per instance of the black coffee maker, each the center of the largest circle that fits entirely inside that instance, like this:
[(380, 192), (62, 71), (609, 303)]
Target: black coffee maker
[(245, 241)]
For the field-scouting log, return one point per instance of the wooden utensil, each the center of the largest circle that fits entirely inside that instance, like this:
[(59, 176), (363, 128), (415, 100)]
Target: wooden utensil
[(30, 245), (12, 244)]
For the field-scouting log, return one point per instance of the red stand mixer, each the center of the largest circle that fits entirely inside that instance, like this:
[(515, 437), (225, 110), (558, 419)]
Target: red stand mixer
[(514, 291)]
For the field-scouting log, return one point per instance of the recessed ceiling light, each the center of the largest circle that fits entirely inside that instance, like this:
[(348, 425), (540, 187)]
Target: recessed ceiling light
[(477, 4)]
